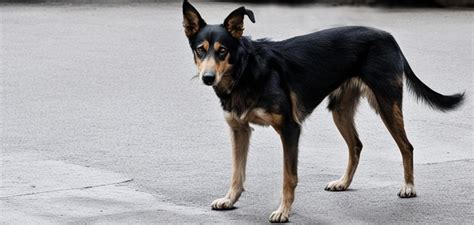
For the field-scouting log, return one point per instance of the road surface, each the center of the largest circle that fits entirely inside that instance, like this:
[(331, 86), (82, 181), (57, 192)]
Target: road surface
[(101, 122)]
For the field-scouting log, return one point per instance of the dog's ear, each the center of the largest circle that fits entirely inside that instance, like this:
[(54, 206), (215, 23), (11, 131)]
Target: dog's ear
[(234, 23), (192, 21)]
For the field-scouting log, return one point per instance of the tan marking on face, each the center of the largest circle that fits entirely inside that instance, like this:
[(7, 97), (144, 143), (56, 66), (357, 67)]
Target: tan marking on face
[(223, 68), (205, 45), (225, 83), (217, 45), (224, 80), (207, 64), (210, 63), (198, 60)]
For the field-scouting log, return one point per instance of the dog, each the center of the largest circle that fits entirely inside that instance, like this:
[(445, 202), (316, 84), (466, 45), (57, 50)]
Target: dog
[(279, 83)]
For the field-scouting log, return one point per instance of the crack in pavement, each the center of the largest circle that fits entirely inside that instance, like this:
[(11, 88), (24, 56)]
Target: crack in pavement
[(67, 189), (450, 161)]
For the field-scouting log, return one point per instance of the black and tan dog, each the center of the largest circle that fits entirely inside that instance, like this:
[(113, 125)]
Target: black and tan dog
[(279, 83)]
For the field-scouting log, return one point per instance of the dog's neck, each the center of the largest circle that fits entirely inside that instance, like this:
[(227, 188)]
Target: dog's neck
[(254, 63)]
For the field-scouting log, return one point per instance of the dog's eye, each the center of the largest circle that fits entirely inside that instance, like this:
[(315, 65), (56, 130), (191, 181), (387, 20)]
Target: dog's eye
[(200, 51), (222, 51)]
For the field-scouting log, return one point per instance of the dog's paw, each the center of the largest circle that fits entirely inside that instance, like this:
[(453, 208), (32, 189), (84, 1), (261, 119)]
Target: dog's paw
[(337, 185), (222, 204), (279, 216), (407, 191)]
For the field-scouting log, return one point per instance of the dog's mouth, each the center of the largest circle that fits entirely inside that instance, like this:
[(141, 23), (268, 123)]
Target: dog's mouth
[(209, 83), (217, 80), (204, 81)]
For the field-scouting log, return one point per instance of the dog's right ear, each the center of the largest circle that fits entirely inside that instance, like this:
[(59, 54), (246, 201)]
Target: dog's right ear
[(234, 23), (192, 21)]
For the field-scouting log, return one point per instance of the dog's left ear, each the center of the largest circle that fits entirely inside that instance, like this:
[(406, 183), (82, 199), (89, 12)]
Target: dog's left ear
[(192, 21), (234, 23)]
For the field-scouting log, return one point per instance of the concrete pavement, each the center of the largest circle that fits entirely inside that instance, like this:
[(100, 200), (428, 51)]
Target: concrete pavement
[(40, 191), (102, 124)]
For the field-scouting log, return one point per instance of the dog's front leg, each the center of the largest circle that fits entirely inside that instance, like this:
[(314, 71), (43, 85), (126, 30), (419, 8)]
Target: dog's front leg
[(289, 134), (240, 137)]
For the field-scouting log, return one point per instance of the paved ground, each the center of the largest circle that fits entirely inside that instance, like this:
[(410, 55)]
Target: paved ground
[(101, 122)]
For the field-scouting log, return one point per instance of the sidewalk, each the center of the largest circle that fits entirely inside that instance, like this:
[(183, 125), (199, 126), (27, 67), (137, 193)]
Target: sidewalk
[(39, 191)]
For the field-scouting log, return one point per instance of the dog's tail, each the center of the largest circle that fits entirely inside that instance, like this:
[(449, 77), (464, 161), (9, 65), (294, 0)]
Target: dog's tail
[(434, 99)]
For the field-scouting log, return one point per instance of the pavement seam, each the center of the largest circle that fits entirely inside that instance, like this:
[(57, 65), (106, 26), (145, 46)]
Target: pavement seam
[(450, 161), (67, 189)]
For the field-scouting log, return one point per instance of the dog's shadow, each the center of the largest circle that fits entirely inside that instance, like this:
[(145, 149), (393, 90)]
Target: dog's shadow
[(229, 209), (347, 190)]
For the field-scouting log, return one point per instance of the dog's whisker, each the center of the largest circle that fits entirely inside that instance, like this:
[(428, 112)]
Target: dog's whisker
[(194, 77)]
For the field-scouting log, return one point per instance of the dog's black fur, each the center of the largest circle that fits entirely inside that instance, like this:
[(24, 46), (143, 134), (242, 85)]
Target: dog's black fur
[(287, 79)]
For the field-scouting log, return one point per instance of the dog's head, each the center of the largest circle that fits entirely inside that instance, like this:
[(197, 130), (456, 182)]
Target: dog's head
[(215, 47)]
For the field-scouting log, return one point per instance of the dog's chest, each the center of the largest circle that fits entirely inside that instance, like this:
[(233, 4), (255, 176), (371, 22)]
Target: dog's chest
[(257, 116)]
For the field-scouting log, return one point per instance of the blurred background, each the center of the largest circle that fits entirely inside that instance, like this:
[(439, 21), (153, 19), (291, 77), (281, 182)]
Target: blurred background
[(404, 3)]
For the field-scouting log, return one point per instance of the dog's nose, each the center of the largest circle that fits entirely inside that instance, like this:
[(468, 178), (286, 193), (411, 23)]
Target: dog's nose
[(208, 78)]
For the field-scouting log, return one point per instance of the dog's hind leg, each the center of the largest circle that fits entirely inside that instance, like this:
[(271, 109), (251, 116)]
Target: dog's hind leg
[(240, 136), (383, 74), (343, 106), (392, 116), (289, 133)]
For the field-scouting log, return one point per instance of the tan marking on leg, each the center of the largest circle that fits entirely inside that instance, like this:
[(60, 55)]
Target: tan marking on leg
[(290, 176), (392, 117), (345, 126), (357, 83), (258, 116), (277, 122), (296, 109), (261, 117), (240, 136), (372, 100), (343, 116), (406, 147), (282, 214), (368, 93)]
